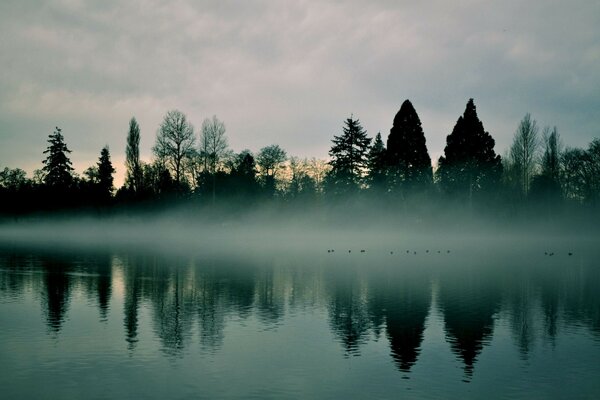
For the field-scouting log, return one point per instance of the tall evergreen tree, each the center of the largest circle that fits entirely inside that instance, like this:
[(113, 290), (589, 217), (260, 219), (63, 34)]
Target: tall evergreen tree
[(409, 161), (105, 174), (132, 152), (377, 165), (348, 158), (57, 166), (469, 164)]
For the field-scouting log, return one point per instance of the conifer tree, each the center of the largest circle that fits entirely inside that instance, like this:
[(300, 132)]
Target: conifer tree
[(57, 166), (348, 158), (377, 164), (469, 164), (132, 152), (105, 174), (409, 161)]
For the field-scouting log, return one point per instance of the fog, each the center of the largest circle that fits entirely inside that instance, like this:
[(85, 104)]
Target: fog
[(350, 230)]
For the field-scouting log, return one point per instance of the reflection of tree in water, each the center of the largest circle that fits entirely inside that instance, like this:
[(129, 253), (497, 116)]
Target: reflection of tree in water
[(56, 291), (15, 275), (132, 282), (269, 296), (521, 299), (211, 306), (172, 301), (349, 317), (582, 297), (103, 269), (401, 301), (468, 300), (549, 291)]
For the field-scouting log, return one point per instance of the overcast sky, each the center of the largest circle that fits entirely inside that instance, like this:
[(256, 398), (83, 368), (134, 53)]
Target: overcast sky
[(289, 73)]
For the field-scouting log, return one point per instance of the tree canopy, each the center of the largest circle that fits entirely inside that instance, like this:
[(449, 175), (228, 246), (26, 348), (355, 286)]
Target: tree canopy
[(409, 161), (469, 164), (348, 158)]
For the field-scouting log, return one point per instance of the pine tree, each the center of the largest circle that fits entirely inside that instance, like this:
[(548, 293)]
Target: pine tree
[(57, 166), (132, 151), (409, 161), (377, 164), (105, 174), (469, 164), (348, 158)]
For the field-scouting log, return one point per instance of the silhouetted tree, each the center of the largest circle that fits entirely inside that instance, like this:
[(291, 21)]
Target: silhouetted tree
[(174, 142), (243, 175), (270, 159), (348, 158), (16, 191), (546, 185), (213, 149), (105, 175), (377, 165), (132, 153), (57, 166), (409, 161), (523, 153), (301, 185), (580, 173), (469, 164)]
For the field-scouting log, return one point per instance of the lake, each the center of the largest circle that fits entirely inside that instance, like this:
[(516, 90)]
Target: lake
[(437, 322)]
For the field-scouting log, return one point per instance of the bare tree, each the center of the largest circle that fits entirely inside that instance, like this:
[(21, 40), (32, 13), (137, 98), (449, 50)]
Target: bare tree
[(213, 148), (270, 159), (213, 143), (523, 152), (174, 143)]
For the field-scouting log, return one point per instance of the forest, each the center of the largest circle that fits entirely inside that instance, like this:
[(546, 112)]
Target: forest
[(537, 174)]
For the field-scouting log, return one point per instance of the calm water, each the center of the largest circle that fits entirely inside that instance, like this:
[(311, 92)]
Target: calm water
[(500, 323)]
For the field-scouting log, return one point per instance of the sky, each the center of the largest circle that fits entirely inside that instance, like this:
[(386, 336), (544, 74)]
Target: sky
[(290, 72)]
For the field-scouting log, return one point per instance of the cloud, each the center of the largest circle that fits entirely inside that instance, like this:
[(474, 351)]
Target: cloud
[(289, 73)]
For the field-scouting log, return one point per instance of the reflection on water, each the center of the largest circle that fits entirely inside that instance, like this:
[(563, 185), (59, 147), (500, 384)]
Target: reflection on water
[(177, 305)]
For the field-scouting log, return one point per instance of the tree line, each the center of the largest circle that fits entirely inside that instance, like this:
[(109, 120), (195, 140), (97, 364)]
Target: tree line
[(201, 167)]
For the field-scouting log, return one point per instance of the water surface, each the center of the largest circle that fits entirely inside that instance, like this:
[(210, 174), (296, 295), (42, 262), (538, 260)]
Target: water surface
[(113, 323)]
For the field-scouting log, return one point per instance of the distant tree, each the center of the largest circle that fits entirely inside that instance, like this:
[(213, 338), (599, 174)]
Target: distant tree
[(469, 164), (213, 149), (551, 157), (92, 175), (16, 191), (213, 143), (270, 159), (57, 166), (580, 173), (409, 161), (243, 175), (304, 175), (377, 164), (174, 142), (547, 183), (575, 174), (13, 179), (348, 158), (523, 153), (105, 174), (132, 153)]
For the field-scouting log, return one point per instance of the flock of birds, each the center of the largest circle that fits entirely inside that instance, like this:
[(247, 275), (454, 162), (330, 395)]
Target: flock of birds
[(546, 253), (391, 252)]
